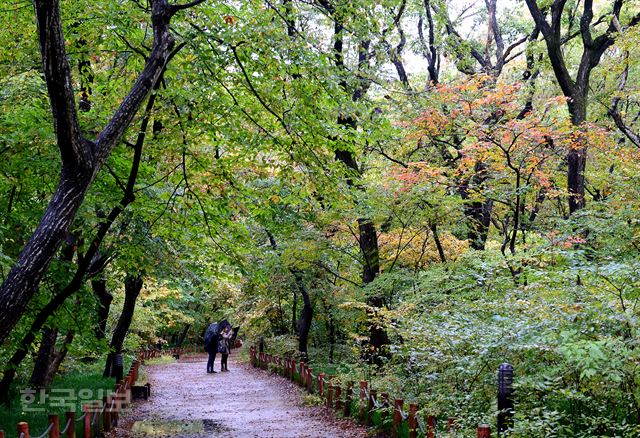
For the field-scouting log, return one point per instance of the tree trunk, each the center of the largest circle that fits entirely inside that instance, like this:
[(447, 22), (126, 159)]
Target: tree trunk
[(59, 357), (99, 287), (306, 316), (44, 357), (132, 288), (24, 278), (577, 155), (81, 159)]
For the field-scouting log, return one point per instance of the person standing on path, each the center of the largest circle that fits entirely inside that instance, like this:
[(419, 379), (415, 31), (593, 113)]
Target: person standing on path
[(211, 337), (225, 346)]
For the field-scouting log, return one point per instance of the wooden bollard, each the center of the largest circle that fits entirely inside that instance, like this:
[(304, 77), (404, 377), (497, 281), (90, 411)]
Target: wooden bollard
[(301, 374), (54, 421), (431, 426), (397, 417), (70, 418), (413, 420), (337, 394), (330, 395), (362, 402), (293, 370), (310, 380), (23, 428), (320, 385), (106, 414), (348, 397), (86, 421), (484, 431), (371, 406)]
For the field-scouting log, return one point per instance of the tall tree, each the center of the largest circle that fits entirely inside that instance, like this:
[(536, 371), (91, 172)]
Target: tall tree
[(81, 158), (576, 88)]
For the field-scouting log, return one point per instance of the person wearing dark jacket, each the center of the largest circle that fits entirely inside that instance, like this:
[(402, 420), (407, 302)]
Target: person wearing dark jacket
[(211, 344)]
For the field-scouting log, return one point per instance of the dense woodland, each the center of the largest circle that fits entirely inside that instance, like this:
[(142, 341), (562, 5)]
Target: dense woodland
[(411, 191)]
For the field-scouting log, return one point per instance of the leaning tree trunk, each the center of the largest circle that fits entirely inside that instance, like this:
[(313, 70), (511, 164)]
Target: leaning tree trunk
[(81, 158), (132, 288)]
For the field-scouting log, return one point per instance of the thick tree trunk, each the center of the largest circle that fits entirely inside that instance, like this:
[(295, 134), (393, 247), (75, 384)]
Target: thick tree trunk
[(81, 158), (44, 357), (99, 287), (24, 278), (132, 288)]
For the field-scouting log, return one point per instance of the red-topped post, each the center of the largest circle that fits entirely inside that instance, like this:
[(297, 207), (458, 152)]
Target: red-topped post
[(320, 385), (484, 431), (431, 426), (413, 420), (54, 422), (23, 429), (70, 419), (397, 417)]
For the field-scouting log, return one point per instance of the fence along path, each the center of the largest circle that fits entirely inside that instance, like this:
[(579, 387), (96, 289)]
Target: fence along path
[(98, 416), (358, 402)]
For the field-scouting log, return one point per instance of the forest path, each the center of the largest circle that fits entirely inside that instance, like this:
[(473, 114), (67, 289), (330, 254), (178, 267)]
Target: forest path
[(244, 402)]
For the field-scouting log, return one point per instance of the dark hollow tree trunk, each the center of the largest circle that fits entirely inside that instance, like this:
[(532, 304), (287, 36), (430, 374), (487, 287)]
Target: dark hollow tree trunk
[(132, 288)]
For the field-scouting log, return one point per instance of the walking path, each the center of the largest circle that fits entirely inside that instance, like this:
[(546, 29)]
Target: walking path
[(187, 402)]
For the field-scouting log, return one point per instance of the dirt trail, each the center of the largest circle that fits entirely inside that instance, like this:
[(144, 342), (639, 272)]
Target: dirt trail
[(244, 402)]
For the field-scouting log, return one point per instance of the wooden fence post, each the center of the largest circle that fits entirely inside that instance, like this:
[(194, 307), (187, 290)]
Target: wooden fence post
[(320, 385), (348, 397), (301, 374), (54, 420), (310, 380), (23, 428), (70, 418), (86, 422), (431, 426), (371, 406), (330, 395), (1, 433), (484, 431), (293, 370), (106, 414), (413, 420), (338, 391), (362, 402), (397, 417)]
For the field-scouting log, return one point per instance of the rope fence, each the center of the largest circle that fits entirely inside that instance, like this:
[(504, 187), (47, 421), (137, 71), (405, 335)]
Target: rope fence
[(97, 417), (360, 402)]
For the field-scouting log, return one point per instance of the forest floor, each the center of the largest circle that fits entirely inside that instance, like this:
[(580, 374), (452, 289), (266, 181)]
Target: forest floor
[(244, 402)]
